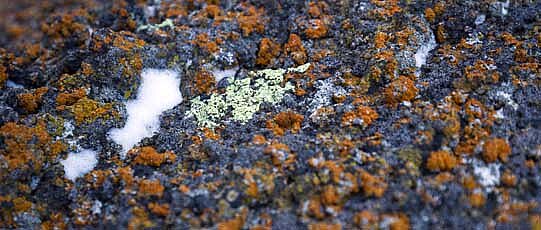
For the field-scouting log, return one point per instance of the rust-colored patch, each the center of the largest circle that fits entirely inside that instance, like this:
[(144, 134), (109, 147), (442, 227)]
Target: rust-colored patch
[(372, 185), (151, 188), (401, 89), (30, 102), (251, 20), (284, 121), (268, 51), (295, 48), (496, 148), (316, 29), (204, 82), (159, 209), (149, 156), (69, 98), (441, 161), (366, 114)]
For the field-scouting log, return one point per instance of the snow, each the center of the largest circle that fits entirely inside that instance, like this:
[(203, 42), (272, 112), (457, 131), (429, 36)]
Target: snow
[(422, 53), (488, 175), (79, 163), (158, 92)]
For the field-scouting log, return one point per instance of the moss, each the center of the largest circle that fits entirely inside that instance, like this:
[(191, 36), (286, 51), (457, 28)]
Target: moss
[(87, 110), (241, 98)]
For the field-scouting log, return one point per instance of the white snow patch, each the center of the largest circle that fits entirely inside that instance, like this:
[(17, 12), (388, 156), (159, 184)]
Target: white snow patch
[(158, 92), (422, 53), (488, 175), (80, 163), (508, 98)]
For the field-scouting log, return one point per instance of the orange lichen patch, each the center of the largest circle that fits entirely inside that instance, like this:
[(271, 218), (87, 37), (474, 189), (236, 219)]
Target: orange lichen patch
[(366, 115), (316, 29), (372, 185), (234, 224), (3, 75), (127, 41), (67, 99), (139, 219), (268, 51), (204, 82), (386, 8), (366, 219), (441, 161), (56, 221), (211, 134), (496, 148), (295, 48), (31, 101), (126, 175), (280, 154), (430, 15), (252, 189), (151, 188), (324, 226), (24, 145), (477, 199), (63, 26), (480, 72), (149, 156), (284, 121), (86, 69), (88, 110), (259, 139), (252, 20), (535, 220), (159, 209), (510, 212), (330, 195), (202, 41), (20, 204), (401, 89), (509, 179), (380, 39), (131, 65), (398, 221), (469, 183)]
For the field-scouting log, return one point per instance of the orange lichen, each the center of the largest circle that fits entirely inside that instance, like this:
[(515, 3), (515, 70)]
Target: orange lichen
[(366, 219), (386, 8), (477, 199), (372, 185), (3, 75), (252, 20), (401, 89), (366, 114), (127, 41), (151, 188), (234, 224), (20, 204), (24, 144), (330, 196), (324, 226), (159, 209), (259, 140), (280, 154), (139, 219), (441, 161), (496, 148), (202, 41), (88, 110), (31, 101), (316, 29), (252, 189), (86, 69), (126, 175), (380, 39), (430, 14), (295, 48), (399, 221), (69, 98), (509, 179), (204, 82), (268, 51), (284, 121), (149, 156), (480, 72)]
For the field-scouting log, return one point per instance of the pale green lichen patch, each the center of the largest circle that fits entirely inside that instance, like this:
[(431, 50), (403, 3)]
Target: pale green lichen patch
[(167, 23), (243, 97)]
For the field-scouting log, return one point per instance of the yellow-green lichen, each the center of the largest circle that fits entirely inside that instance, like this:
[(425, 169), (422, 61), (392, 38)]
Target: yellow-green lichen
[(243, 97), (167, 23)]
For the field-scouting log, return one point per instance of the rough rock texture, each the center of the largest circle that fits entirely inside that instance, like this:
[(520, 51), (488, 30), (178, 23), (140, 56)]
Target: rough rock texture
[(412, 114)]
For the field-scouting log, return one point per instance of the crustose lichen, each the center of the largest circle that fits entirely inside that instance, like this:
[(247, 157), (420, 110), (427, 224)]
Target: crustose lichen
[(243, 97)]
